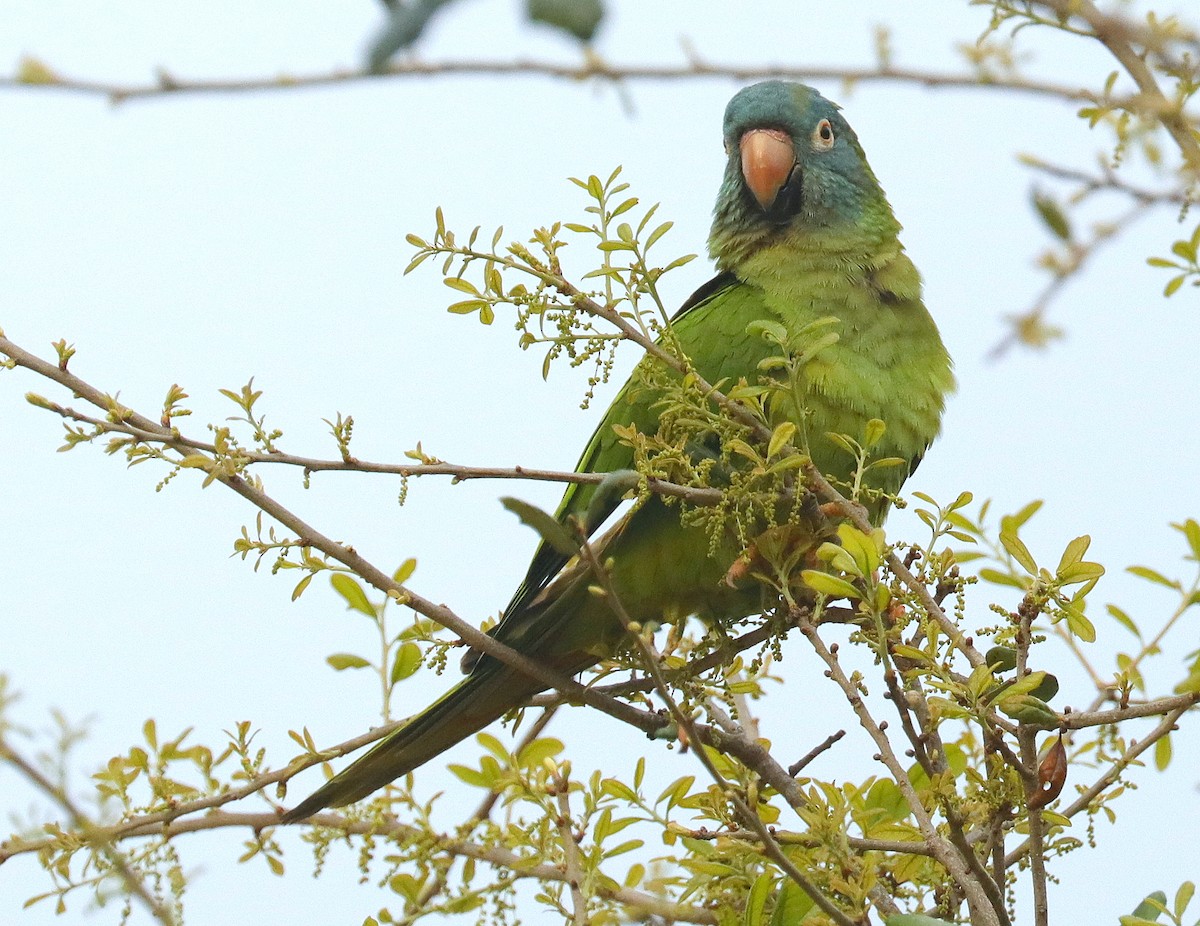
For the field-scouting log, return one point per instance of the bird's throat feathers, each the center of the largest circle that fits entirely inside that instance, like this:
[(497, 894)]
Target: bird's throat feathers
[(829, 209), (798, 259)]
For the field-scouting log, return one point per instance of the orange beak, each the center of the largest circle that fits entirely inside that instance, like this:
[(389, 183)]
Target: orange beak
[(767, 161)]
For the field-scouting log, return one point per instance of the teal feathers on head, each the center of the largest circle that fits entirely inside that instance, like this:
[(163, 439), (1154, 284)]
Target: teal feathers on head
[(793, 164)]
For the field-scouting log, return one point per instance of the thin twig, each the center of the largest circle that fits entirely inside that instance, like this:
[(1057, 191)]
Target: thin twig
[(169, 85), (572, 861), (457, 472), (799, 765), (517, 866), (1027, 743), (789, 838)]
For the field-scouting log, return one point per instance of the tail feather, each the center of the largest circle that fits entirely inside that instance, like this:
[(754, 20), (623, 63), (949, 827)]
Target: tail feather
[(557, 629), (480, 698)]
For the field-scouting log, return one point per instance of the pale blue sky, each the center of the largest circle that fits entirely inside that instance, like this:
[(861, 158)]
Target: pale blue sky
[(203, 240)]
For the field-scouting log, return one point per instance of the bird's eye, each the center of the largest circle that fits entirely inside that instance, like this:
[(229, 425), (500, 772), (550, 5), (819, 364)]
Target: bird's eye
[(822, 137)]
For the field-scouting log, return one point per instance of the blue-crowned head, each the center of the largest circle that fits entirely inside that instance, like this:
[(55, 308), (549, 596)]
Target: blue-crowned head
[(793, 163)]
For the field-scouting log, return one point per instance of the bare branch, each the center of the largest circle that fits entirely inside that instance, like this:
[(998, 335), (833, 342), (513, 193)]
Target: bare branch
[(1078, 720), (591, 68), (797, 767)]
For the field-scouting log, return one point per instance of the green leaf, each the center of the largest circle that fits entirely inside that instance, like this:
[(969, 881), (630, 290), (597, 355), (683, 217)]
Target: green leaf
[(1149, 909), (1183, 897), (492, 745), (1150, 575), (1074, 552), (769, 330), (408, 659), (628, 846), (1185, 250), (1162, 753), (874, 432), (301, 586), (886, 797), (618, 789), (841, 440), (463, 286), (31, 70), (356, 599), (980, 679), (404, 572), (468, 307), (1047, 689), (1052, 215), (915, 919), (1124, 620), (792, 904), (1079, 625), (677, 790), (1024, 685), (469, 776), (342, 661), (656, 234), (1191, 530), (1017, 550), (551, 531), (780, 437), (1011, 522), (1079, 572), (622, 208), (533, 754), (911, 652), (825, 584), (1028, 709), (1000, 578), (864, 548), (756, 900)]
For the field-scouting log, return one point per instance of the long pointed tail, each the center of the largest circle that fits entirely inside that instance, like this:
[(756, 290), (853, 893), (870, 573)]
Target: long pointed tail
[(482, 697)]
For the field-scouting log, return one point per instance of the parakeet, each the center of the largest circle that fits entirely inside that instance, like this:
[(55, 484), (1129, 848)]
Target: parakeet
[(802, 237)]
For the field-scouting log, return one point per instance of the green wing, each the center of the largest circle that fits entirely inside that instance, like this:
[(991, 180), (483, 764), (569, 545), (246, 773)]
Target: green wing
[(711, 329)]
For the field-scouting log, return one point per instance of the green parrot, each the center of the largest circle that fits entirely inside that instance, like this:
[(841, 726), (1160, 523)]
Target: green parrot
[(801, 233)]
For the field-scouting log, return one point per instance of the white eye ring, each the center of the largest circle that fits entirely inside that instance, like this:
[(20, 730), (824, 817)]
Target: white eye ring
[(822, 136)]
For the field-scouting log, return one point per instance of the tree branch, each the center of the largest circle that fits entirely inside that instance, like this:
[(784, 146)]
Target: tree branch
[(590, 68), (1115, 33), (983, 913), (458, 472)]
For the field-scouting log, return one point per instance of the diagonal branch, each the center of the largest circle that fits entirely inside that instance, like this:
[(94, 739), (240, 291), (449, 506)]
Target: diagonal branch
[(1114, 34)]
